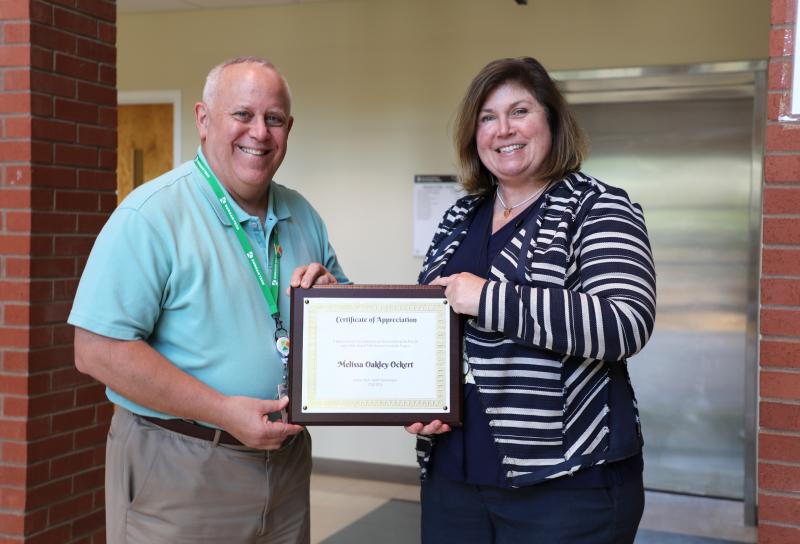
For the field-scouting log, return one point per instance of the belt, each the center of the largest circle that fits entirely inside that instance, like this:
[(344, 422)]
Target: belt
[(181, 426)]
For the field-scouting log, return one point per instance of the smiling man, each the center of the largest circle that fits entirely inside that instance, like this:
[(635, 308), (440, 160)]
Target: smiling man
[(179, 312)]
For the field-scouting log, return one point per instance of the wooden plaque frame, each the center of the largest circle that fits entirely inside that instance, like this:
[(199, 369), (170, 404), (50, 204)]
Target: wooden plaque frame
[(297, 366)]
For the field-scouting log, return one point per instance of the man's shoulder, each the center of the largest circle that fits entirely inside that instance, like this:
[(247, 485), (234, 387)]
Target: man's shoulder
[(161, 191), (289, 197), (291, 202)]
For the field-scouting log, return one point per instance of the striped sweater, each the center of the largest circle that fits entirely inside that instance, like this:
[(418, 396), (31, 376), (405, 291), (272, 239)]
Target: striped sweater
[(569, 298)]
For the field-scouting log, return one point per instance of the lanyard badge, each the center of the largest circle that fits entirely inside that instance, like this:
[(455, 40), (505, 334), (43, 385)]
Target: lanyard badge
[(281, 335), (270, 291)]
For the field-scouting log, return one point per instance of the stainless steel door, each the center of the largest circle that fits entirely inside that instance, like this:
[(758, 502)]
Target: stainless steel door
[(688, 163)]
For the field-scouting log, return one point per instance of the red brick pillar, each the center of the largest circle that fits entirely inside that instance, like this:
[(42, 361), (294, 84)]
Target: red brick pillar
[(57, 184), (779, 425)]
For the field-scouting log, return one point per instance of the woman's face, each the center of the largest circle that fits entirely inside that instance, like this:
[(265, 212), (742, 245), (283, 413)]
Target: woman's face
[(512, 134)]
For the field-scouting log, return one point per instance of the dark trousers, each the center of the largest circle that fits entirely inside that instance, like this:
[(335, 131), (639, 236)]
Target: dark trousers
[(454, 512)]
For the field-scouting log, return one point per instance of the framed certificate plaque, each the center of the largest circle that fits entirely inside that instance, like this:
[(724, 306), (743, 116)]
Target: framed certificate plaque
[(373, 355)]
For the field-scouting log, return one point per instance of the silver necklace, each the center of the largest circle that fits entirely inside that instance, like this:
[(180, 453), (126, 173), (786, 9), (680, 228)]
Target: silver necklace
[(507, 209)]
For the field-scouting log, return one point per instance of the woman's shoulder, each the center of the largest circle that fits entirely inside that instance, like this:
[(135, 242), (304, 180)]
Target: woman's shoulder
[(461, 209), (582, 189), (455, 216), (467, 202)]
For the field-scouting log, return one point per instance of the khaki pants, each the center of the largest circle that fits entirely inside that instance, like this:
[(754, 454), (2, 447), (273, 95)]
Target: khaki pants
[(166, 488)]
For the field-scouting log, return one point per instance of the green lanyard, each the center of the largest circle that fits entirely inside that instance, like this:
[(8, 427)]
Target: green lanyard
[(270, 292)]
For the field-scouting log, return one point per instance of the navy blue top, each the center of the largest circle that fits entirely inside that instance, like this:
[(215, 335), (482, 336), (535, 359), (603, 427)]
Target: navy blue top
[(468, 454)]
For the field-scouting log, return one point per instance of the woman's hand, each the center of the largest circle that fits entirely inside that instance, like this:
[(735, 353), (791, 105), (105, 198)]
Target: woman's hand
[(434, 427), (463, 291)]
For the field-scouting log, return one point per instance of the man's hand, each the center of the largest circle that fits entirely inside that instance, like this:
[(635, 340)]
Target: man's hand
[(434, 427), (311, 274), (247, 419), (141, 374), (463, 291)]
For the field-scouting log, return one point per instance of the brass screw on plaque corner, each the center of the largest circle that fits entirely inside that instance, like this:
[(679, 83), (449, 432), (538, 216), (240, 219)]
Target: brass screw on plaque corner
[(305, 408), (444, 302), (306, 301), (445, 408)]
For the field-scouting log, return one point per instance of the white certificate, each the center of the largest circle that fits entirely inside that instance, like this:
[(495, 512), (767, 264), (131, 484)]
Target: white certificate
[(373, 359)]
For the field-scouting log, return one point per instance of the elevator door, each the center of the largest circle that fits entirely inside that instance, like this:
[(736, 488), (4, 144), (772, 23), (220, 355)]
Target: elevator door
[(688, 163)]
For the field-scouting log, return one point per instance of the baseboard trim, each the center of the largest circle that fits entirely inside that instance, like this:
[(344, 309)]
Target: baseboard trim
[(367, 471)]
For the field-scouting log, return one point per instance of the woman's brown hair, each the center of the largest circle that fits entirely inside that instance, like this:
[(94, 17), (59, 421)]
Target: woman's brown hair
[(568, 145)]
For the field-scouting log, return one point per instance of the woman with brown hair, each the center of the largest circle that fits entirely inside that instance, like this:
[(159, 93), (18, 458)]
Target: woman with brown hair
[(552, 271)]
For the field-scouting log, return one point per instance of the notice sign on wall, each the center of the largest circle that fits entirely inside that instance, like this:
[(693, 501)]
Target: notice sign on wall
[(433, 194)]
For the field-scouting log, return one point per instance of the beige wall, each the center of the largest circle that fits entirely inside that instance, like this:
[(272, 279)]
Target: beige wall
[(376, 84)]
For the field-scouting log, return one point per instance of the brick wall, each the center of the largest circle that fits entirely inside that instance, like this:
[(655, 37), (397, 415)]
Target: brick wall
[(779, 410), (57, 183)]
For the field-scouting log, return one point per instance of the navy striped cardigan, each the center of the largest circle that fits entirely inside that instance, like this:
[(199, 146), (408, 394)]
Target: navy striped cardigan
[(569, 298)]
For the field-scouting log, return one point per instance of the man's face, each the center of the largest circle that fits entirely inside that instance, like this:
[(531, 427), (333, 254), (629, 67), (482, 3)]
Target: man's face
[(245, 127)]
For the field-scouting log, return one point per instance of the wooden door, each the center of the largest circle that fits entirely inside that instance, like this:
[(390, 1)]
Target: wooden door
[(144, 147)]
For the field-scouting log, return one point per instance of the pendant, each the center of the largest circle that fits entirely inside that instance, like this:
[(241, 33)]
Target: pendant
[(506, 213)]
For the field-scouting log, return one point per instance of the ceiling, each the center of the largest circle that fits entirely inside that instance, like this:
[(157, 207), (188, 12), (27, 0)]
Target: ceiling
[(133, 6)]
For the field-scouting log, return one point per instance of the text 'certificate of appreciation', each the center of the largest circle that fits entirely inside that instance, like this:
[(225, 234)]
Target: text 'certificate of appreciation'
[(369, 359)]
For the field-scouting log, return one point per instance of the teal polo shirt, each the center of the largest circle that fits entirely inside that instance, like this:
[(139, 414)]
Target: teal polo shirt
[(168, 269)]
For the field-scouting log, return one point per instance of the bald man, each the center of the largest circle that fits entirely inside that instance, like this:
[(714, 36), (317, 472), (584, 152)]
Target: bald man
[(179, 313)]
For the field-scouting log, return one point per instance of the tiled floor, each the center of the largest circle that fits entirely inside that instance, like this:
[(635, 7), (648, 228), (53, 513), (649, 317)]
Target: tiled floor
[(337, 502), (699, 516)]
